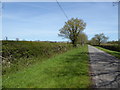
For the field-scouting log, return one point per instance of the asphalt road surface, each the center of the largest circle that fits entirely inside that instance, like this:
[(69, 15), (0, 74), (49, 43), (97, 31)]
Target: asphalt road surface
[(105, 69)]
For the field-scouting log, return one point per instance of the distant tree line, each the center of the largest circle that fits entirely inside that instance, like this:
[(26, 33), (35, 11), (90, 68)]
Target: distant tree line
[(113, 42)]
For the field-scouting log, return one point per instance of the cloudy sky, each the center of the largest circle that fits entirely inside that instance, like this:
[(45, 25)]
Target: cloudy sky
[(42, 20)]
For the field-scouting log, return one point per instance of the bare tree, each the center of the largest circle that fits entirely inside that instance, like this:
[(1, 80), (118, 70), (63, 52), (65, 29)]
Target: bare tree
[(17, 39), (6, 38)]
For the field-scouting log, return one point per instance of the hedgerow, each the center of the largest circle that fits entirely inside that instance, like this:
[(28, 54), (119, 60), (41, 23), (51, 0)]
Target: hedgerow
[(17, 53)]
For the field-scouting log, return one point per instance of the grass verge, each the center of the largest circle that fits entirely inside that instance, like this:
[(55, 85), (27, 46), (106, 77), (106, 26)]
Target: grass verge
[(114, 53), (68, 70)]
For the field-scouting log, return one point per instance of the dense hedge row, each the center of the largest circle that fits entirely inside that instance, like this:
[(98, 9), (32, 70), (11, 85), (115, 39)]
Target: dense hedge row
[(25, 52), (113, 47), (28, 49)]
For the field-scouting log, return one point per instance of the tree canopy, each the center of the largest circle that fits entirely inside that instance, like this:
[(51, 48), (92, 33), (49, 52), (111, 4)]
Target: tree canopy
[(83, 39), (72, 29), (98, 39)]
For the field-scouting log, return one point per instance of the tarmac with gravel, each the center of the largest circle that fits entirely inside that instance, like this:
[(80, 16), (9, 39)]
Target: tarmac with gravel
[(105, 69)]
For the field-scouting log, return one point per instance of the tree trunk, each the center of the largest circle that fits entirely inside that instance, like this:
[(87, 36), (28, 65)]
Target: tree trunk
[(99, 43), (74, 43)]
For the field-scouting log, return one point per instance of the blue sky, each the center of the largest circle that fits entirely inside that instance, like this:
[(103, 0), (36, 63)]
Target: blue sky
[(42, 20)]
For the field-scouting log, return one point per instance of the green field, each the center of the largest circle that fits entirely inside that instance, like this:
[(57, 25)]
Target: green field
[(66, 69), (114, 53)]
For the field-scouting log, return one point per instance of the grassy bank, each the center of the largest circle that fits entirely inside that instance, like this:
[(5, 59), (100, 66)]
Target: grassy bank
[(114, 53), (67, 70)]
